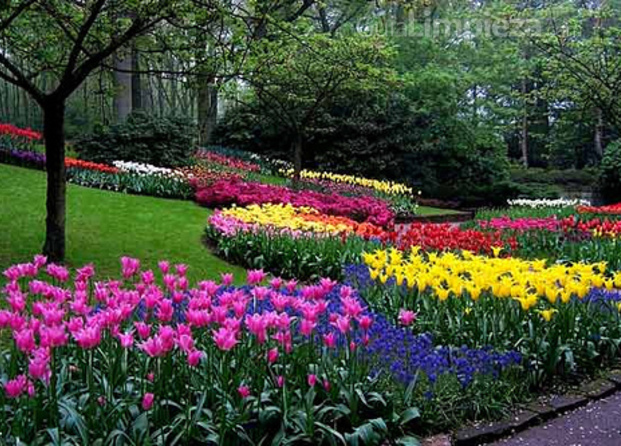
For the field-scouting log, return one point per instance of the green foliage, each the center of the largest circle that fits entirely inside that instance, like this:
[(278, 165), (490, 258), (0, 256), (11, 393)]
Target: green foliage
[(610, 172), (164, 142), (152, 185), (103, 226), (303, 258)]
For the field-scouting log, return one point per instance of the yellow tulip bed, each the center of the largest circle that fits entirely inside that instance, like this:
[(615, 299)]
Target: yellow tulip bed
[(387, 187), (564, 318)]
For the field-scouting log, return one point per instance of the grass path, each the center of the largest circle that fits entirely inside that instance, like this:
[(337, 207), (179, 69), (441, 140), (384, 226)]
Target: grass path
[(102, 226)]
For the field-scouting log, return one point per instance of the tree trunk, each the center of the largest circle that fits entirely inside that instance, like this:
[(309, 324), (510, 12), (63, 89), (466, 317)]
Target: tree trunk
[(297, 157), (599, 132), (136, 82), (207, 108), (524, 129), (123, 83), (54, 134)]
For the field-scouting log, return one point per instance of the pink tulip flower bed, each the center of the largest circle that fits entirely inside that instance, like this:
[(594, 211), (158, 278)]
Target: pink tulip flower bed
[(157, 362), (235, 191)]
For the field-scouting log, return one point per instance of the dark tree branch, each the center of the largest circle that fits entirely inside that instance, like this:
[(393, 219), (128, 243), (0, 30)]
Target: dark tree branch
[(20, 79), (84, 30)]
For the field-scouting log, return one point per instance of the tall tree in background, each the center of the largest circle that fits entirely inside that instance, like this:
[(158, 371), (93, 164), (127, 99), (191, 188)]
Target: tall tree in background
[(295, 80), (66, 41)]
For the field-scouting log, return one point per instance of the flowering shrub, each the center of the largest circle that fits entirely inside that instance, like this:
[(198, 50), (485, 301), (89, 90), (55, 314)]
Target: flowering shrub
[(234, 191), (506, 302), (548, 203)]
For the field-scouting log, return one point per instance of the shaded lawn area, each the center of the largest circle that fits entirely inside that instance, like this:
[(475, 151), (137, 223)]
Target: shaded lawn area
[(102, 226), (426, 210)]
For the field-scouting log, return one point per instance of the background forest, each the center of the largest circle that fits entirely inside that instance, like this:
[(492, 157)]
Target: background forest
[(467, 100)]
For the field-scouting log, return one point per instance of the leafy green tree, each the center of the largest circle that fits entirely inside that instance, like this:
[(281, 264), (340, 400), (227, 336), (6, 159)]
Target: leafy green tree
[(296, 79), (65, 42)]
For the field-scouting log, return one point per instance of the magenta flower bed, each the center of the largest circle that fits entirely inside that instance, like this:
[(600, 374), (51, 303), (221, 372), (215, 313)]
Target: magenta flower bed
[(227, 192)]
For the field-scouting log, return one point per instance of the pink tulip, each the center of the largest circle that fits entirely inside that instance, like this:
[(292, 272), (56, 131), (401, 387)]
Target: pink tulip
[(307, 327), (244, 391), (365, 322), (194, 358), (255, 276), (181, 269), (272, 355), (127, 340), (39, 260), (147, 401), (88, 337), (326, 385), (406, 317), (342, 323), (165, 310), (225, 339), (25, 340), (312, 380), (143, 329), (276, 283), (280, 380), (164, 266), (15, 387), (329, 340), (227, 279)]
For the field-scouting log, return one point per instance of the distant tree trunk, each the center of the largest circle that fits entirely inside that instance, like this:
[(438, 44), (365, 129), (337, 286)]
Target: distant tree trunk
[(136, 81), (54, 134), (123, 83), (524, 126), (599, 132), (297, 156), (207, 107)]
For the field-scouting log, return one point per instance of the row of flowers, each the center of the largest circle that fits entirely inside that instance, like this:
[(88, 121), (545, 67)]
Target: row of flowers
[(596, 227), (103, 352), (387, 187), (213, 186), (545, 312), (235, 191), (14, 132), (296, 220), (548, 202)]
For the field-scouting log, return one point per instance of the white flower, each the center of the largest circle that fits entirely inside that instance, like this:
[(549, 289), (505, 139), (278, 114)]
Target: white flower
[(548, 203), (146, 169)]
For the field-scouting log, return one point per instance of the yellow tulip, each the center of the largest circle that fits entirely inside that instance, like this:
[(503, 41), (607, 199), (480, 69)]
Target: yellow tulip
[(547, 314)]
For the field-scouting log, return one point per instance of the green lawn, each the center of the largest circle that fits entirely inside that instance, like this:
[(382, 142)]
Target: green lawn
[(426, 210), (102, 226)]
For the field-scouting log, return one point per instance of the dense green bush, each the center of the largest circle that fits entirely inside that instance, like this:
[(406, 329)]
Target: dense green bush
[(445, 158), (144, 138), (610, 172), (565, 178)]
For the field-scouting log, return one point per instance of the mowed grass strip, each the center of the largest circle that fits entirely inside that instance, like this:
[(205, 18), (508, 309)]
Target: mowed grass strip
[(102, 226)]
